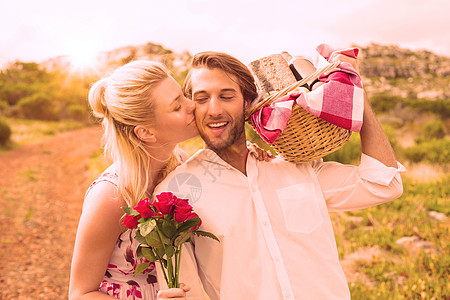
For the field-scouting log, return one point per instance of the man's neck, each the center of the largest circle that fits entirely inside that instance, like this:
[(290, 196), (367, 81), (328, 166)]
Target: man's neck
[(235, 156)]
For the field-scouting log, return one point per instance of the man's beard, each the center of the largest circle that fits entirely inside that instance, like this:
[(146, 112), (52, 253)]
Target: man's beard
[(235, 134)]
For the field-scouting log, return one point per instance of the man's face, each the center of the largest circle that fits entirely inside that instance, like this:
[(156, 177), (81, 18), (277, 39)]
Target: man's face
[(219, 108)]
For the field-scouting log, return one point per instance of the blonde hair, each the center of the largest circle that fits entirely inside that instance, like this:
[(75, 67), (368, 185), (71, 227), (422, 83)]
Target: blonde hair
[(124, 100)]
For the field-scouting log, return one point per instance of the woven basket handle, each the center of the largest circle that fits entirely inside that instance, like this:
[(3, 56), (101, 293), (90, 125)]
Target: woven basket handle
[(285, 91)]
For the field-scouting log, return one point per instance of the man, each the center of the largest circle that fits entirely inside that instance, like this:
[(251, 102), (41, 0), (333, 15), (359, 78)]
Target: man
[(272, 217)]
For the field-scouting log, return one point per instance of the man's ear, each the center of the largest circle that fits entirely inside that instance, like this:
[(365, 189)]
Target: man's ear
[(247, 103), (145, 134)]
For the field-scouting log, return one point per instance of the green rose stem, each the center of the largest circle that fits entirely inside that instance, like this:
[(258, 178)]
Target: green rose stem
[(162, 267), (177, 266), (169, 261)]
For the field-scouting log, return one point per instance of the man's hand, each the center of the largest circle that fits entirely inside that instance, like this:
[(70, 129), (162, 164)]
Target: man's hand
[(374, 142), (174, 293)]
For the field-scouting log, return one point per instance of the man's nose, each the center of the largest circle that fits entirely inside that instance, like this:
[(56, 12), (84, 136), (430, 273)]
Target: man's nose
[(215, 107)]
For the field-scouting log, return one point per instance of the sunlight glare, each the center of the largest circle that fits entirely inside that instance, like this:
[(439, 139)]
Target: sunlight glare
[(82, 57)]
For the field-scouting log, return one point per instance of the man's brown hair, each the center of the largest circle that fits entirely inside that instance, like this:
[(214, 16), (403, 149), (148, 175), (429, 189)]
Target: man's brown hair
[(228, 64)]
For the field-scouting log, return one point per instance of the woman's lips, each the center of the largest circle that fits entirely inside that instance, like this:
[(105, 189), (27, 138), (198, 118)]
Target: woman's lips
[(192, 122)]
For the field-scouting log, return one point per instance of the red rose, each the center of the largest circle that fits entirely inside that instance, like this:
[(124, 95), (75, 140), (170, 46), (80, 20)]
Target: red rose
[(165, 202), (131, 221), (143, 207), (182, 210), (193, 215)]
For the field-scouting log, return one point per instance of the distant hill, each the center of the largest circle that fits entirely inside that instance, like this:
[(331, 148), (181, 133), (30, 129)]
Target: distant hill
[(386, 69), (391, 61), (405, 73)]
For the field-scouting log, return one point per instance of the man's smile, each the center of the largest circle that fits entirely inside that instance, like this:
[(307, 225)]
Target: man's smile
[(216, 128), (217, 124)]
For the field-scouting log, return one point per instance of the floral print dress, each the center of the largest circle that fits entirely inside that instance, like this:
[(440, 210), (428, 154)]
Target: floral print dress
[(119, 280)]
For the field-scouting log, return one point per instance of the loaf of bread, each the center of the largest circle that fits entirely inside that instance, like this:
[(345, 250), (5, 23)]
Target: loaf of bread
[(272, 73)]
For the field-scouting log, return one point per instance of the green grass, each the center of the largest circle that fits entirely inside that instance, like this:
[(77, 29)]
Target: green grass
[(29, 174), (421, 277), (30, 131), (399, 273), (4, 195), (30, 212)]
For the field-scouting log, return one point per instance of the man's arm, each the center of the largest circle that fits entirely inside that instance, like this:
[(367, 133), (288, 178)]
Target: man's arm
[(375, 181), (374, 141)]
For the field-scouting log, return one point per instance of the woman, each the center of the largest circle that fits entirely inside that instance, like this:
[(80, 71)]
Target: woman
[(145, 115)]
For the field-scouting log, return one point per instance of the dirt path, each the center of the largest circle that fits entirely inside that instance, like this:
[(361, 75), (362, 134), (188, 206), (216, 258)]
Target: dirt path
[(41, 194)]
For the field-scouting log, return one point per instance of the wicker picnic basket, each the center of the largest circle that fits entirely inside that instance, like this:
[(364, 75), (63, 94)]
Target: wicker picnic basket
[(306, 137)]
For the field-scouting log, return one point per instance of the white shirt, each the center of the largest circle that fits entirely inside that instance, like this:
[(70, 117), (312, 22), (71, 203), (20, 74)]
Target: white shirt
[(276, 236)]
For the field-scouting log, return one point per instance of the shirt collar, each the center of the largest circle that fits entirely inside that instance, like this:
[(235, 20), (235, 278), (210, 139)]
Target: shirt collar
[(212, 157)]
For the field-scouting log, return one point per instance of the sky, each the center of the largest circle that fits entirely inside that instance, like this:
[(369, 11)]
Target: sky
[(37, 30)]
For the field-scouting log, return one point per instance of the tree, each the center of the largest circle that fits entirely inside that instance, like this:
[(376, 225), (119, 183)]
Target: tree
[(38, 106), (21, 80)]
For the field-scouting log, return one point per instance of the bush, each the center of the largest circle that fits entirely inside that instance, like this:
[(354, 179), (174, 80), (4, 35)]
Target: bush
[(350, 153), (5, 132), (433, 129), (384, 102), (434, 151), (3, 107), (440, 107), (38, 107), (77, 112)]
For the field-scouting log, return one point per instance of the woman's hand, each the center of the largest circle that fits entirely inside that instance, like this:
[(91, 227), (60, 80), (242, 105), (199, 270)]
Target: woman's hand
[(261, 153), (174, 293)]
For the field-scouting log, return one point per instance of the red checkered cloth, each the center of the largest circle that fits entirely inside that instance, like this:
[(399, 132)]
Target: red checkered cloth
[(339, 100)]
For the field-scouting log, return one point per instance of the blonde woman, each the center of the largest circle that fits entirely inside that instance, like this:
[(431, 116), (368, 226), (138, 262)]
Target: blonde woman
[(145, 115)]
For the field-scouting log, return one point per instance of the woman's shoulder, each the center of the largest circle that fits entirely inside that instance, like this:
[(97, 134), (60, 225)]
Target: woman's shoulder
[(109, 176), (103, 194), (104, 186), (103, 191)]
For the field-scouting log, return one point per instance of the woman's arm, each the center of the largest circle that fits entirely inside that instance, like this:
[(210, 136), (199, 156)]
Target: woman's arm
[(97, 234)]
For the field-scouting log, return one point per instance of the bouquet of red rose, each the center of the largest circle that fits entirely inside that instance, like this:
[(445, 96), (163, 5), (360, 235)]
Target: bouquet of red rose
[(162, 226)]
